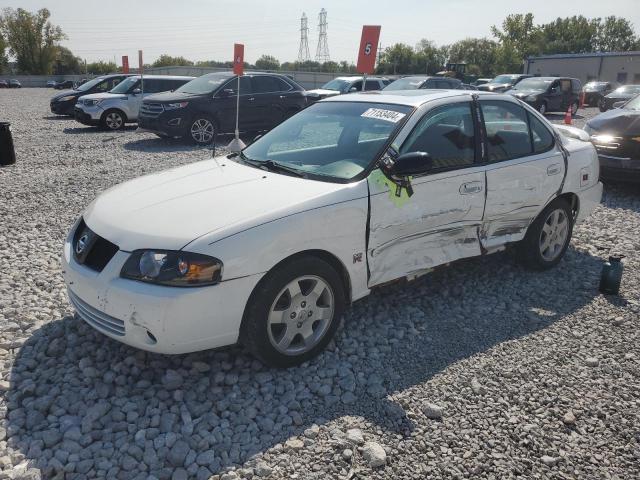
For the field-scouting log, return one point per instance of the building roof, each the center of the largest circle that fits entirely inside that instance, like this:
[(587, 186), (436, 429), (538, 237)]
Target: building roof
[(586, 55)]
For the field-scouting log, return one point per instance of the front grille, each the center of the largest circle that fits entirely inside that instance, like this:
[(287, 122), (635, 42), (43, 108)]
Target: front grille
[(151, 109), (92, 250), (97, 319)]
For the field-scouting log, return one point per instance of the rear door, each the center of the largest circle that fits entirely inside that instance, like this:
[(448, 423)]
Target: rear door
[(524, 171), (272, 99), (439, 223), (554, 97)]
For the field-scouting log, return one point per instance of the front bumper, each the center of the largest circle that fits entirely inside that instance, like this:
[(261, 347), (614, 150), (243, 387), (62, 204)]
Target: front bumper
[(168, 124), (619, 169), (84, 118), (156, 318), (62, 108)]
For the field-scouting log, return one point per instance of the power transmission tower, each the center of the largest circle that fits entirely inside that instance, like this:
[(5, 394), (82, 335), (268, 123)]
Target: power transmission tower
[(303, 53), (322, 53)]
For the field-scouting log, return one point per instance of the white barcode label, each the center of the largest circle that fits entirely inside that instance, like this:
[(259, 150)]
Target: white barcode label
[(382, 114)]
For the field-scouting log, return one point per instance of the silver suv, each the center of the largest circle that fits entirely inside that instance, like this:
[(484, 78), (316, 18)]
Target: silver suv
[(113, 109)]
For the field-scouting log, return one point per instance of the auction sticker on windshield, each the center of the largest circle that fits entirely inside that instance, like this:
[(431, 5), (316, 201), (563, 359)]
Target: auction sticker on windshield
[(382, 114)]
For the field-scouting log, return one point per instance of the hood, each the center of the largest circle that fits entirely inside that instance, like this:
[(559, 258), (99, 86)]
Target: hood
[(170, 97), (170, 209), (525, 93), (64, 93), (324, 93), (103, 95), (621, 95), (492, 87), (618, 121)]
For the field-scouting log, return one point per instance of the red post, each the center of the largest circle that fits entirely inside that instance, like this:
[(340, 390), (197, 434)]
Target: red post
[(568, 116)]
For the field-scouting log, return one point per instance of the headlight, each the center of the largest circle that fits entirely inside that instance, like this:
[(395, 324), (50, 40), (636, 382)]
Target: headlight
[(68, 98), (604, 138), (175, 106), (91, 103), (532, 98), (172, 268)]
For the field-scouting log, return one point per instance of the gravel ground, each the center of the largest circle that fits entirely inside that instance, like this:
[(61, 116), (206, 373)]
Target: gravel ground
[(480, 370)]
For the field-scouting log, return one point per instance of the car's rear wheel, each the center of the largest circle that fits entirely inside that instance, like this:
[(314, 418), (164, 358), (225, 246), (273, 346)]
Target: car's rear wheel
[(113, 120), (542, 108), (293, 313), (574, 108), (202, 130), (548, 236)]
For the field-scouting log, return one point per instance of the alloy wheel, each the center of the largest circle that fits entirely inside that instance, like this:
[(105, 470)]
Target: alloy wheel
[(301, 315), (113, 120), (202, 131), (554, 234)]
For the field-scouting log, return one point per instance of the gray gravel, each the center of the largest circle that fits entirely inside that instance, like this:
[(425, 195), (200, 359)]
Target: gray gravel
[(480, 370)]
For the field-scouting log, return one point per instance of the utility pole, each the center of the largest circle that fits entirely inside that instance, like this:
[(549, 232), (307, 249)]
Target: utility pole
[(322, 52), (303, 53)]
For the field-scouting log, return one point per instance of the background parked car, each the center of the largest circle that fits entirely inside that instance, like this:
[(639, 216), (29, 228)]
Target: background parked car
[(616, 136), (549, 94), (13, 83), (620, 94), (207, 105), (64, 103), (51, 83), (480, 81), (4, 84), (120, 105), (594, 92), (503, 82), (65, 84), (342, 85), (414, 82)]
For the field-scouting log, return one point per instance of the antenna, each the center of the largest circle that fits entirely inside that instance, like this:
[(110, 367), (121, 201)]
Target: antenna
[(303, 53), (322, 53)]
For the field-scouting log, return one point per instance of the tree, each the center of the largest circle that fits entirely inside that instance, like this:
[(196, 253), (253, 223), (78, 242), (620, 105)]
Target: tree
[(575, 34), (520, 35), (267, 62), (4, 60), (102, 67), (398, 58), (616, 35), (428, 57), (66, 63), (32, 39), (480, 55), (169, 61)]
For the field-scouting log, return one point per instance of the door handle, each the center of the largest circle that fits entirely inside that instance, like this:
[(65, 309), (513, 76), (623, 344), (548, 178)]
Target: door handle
[(283, 96), (470, 187), (553, 169), (252, 99)]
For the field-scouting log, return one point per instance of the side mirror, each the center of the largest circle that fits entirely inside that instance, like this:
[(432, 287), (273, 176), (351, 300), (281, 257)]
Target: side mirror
[(412, 163), (353, 89), (227, 92), (136, 91)]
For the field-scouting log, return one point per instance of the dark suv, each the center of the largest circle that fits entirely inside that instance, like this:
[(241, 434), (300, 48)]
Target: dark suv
[(64, 103), (549, 94), (207, 105)]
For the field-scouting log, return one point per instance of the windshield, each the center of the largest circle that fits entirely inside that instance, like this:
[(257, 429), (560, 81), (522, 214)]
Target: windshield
[(332, 139), (125, 85), (337, 85), (633, 104), (407, 83), (91, 83), (533, 84), (204, 84), (503, 79), (629, 89), (595, 86)]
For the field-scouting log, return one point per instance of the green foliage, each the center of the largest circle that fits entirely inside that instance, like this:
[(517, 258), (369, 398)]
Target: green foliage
[(480, 55), (4, 60), (169, 61), (31, 38), (396, 59), (569, 35), (66, 63), (267, 62), (616, 35), (101, 67)]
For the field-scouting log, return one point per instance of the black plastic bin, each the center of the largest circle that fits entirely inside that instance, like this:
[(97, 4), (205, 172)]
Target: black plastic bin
[(7, 152)]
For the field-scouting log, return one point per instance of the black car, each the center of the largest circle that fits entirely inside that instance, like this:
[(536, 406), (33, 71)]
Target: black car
[(549, 94), (503, 82), (207, 105), (13, 83), (4, 84), (64, 85), (594, 92), (620, 94), (64, 103), (616, 136), (415, 82)]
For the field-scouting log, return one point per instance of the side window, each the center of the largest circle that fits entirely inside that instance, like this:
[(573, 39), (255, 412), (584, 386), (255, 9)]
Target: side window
[(357, 85), (429, 84), (151, 85), (576, 86), (372, 85), (245, 85), (265, 84), (446, 134), (542, 138), (113, 82), (565, 86), (283, 86), (442, 84), (103, 86), (507, 130), (555, 87)]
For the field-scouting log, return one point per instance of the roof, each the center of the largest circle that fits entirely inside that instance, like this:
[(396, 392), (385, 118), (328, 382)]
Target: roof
[(358, 77), (170, 77), (586, 55), (411, 98)]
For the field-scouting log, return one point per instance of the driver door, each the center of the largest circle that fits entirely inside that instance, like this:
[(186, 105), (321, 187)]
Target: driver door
[(439, 222)]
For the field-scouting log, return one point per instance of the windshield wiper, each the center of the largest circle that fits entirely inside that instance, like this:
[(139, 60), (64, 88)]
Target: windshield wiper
[(272, 166)]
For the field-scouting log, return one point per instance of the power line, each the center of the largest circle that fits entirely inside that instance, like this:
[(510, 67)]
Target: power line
[(303, 53), (322, 52)]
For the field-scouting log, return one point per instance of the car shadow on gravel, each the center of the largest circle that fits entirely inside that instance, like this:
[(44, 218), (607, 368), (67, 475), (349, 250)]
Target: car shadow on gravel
[(85, 404), (90, 129), (554, 117), (58, 117)]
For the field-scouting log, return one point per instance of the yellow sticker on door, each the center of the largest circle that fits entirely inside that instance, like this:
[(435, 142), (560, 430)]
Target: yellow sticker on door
[(382, 180)]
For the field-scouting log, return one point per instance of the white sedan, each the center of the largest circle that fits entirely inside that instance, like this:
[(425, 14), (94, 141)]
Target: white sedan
[(268, 247)]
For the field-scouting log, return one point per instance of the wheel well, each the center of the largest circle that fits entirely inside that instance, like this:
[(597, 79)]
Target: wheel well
[(574, 201)]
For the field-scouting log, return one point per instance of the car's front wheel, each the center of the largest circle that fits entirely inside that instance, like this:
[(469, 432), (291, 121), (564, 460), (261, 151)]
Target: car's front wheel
[(602, 105), (548, 236), (293, 313), (202, 130), (113, 120), (574, 108)]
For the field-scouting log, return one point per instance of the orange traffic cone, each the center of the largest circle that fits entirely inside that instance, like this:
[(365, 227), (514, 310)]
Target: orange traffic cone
[(568, 116)]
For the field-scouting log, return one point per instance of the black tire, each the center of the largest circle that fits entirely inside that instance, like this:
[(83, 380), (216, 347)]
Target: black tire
[(205, 123), (113, 120), (255, 330), (602, 105), (574, 108), (530, 251)]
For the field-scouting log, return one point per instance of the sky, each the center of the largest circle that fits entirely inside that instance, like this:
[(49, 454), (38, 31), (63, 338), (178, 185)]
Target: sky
[(207, 29)]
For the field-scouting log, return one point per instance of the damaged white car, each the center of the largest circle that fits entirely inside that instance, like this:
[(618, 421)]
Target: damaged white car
[(268, 247)]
